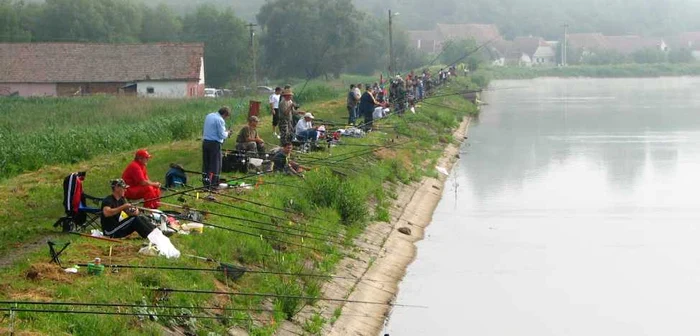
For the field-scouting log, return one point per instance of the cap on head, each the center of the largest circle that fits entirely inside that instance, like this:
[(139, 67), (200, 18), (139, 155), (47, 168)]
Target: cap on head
[(118, 183), (253, 119), (309, 115), (142, 154), (287, 92)]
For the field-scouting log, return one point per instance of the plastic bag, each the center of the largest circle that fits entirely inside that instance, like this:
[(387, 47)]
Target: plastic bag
[(165, 247)]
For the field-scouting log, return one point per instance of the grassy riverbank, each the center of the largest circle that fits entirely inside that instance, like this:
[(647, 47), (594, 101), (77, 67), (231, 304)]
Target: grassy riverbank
[(615, 70), (330, 207)]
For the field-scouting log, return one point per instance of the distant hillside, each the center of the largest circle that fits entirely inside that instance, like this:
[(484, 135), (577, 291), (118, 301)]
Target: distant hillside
[(518, 17)]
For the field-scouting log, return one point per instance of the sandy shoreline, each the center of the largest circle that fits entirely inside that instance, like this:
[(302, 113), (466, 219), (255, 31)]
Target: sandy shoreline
[(382, 258)]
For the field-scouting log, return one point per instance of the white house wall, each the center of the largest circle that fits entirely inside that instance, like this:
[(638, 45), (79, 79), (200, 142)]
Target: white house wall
[(162, 89)]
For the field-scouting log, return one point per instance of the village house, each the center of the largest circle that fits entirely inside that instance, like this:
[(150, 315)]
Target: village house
[(686, 40), (431, 41), (69, 69)]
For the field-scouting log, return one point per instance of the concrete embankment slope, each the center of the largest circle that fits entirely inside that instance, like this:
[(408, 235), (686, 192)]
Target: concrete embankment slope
[(386, 253)]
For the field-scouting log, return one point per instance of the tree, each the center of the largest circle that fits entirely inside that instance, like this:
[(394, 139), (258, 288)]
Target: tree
[(225, 40), (682, 55), (11, 28), (309, 38), (649, 55), (461, 51), (160, 24)]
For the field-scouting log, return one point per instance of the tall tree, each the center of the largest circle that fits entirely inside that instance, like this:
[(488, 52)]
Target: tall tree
[(309, 38), (11, 25), (160, 24), (225, 43)]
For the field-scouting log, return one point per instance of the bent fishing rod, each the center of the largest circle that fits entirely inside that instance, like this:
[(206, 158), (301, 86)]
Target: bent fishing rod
[(270, 295)]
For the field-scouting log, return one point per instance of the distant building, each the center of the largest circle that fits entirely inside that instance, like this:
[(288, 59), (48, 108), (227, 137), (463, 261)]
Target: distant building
[(70, 69), (533, 51), (686, 40), (432, 40), (629, 44)]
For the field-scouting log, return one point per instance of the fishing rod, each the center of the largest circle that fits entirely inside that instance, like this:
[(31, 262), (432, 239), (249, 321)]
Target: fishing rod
[(251, 220), (269, 295), (127, 305), (242, 269), (257, 235), (302, 236), (92, 312), (264, 205)]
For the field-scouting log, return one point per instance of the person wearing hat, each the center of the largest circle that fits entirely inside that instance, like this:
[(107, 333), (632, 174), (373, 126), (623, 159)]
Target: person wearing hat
[(305, 129), (286, 113), (136, 175), (248, 139), (120, 218)]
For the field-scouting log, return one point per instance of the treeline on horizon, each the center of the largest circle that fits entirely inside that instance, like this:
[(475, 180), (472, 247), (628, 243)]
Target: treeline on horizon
[(294, 39), (519, 17)]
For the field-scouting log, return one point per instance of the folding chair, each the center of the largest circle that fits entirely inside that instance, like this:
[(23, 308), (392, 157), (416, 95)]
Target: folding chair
[(79, 217)]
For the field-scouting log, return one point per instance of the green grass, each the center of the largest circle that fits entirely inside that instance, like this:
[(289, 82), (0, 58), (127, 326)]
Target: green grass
[(340, 204)]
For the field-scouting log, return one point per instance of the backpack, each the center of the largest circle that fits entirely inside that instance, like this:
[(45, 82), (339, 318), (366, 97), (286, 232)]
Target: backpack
[(175, 177)]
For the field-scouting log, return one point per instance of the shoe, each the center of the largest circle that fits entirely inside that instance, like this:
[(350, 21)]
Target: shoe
[(277, 135)]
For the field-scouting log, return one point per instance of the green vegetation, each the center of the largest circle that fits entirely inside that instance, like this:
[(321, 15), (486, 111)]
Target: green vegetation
[(618, 70), (339, 199)]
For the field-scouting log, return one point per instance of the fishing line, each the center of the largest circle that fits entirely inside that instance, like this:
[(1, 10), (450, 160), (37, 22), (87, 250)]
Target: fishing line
[(243, 269), (255, 221), (128, 305), (89, 312), (300, 297)]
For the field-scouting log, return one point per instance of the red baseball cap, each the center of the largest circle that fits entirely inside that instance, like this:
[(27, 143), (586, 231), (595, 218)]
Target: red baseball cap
[(142, 153)]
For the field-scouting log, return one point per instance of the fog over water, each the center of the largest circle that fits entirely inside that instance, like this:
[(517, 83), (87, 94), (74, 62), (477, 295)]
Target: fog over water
[(574, 211)]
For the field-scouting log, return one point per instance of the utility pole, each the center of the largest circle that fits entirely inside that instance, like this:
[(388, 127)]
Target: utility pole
[(252, 51), (391, 51), (563, 47)]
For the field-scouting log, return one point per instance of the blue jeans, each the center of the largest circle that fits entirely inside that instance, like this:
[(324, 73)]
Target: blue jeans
[(309, 134)]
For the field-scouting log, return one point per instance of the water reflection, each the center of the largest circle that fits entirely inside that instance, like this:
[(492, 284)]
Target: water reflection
[(573, 213)]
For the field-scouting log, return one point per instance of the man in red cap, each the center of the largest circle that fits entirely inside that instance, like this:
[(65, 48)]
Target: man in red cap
[(136, 176)]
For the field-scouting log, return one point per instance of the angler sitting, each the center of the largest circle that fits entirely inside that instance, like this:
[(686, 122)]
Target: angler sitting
[(119, 218), (249, 140), (305, 130), (282, 163), (136, 175)]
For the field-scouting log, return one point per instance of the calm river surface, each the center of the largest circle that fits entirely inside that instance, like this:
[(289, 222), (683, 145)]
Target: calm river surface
[(575, 210)]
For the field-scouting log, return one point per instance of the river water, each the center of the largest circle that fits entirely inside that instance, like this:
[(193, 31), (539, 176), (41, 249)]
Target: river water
[(574, 211)]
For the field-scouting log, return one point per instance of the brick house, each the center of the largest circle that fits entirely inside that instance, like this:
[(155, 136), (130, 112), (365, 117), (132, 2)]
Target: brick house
[(431, 40), (70, 69)]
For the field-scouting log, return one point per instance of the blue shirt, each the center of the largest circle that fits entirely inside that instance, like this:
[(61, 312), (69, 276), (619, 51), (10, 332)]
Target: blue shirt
[(214, 128)]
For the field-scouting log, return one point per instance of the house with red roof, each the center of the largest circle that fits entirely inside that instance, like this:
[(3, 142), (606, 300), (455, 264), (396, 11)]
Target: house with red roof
[(431, 40), (173, 70)]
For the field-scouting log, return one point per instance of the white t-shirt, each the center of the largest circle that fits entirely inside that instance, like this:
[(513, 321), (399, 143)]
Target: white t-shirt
[(302, 125), (275, 100)]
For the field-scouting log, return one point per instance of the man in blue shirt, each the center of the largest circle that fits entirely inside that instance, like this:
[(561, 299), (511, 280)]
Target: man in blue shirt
[(213, 137)]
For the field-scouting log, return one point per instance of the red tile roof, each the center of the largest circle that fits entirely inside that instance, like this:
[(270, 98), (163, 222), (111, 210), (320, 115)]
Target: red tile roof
[(528, 45), (479, 32), (92, 62), (589, 41), (632, 43)]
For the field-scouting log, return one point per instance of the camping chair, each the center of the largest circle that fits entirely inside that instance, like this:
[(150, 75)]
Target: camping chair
[(79, 216)]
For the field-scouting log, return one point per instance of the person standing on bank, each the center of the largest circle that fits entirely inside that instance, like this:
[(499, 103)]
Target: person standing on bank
[(213, 137), (275, 109), (367, 105), (286, 114)]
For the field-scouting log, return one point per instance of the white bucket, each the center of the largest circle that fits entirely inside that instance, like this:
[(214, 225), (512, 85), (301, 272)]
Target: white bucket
[(256, 162)]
